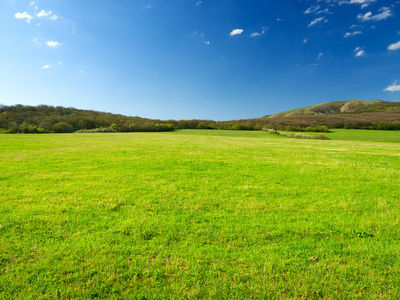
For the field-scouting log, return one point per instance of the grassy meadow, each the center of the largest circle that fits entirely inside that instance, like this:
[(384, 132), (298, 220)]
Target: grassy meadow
[(197, 214)]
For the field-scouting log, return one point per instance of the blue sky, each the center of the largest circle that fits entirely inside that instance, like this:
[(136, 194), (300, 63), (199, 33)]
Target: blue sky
[(185, 59)]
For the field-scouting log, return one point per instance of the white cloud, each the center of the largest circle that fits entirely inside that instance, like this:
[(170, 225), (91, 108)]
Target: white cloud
[(24, 15), (320, 55), (46, 67), (393, 88), (364, 3), (385, 13), (316, 21), (198, 33), (313, 9), (53, 44), (394, 46), (43, 13), (198, 3), (349, 34), (305, 41), (236, 32), (32, 4), (359, 52), (263, 31), (207, 42), (316, 9)]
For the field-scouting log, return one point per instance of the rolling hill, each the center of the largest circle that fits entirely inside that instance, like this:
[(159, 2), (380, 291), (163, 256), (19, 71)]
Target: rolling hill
[(354, 114), (341, 107)]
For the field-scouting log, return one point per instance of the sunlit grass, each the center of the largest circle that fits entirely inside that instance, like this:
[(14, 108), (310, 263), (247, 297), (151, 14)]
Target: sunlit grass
[(199, 214)]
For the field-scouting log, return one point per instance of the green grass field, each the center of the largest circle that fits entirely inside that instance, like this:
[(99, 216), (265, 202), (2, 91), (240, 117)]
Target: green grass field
[(200, 214)]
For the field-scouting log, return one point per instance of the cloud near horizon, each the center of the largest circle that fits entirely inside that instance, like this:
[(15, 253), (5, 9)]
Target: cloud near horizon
[(393, 88)]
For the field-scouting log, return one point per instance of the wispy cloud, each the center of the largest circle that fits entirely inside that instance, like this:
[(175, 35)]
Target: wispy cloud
[(33, 4), (385, 13), (207, 42), (263, 31), (316, 21), (349, 34), (46, 67), (236, 32), (363, 3), (24, 15), (43, 13), (305, 41), (394, 46), (358, 52), (312, 9), (316, 9), (198, 3), (53, 44), (320, 55), (393, 88)]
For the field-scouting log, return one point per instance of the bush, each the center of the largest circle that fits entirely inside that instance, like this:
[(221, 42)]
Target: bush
[(63, 127), (97, 130), (321, 137), (385, 126)]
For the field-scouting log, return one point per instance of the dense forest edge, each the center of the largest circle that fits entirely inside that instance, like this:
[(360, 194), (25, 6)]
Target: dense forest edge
[(358, 114)]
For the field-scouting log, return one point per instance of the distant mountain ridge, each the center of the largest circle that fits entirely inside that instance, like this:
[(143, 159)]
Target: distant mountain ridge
[(340, 107)]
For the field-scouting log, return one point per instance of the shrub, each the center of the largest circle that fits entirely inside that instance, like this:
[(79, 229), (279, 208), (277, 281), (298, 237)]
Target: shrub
[(96, 130), (321, 137), (63, 127)]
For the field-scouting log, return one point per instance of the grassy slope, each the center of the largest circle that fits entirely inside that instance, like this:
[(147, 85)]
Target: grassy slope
[(387, 136), (217, 214), (336, 107)]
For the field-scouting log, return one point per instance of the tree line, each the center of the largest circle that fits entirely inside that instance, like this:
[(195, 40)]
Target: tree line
[(47, 119)]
